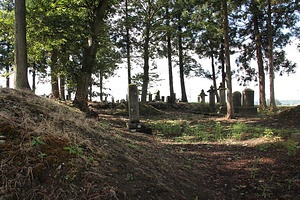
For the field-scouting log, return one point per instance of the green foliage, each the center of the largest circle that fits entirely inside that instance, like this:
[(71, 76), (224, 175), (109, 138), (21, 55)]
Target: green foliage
[(74, 150), (37, 141), (129, 177), (291, 147)]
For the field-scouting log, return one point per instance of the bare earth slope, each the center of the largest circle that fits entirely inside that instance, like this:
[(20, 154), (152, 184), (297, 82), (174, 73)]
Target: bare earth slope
[(50, 150)]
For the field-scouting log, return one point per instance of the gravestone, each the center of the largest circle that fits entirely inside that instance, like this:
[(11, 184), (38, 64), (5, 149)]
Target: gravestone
[(237, 99), (211, 96), (248, 98), (134, 123), (202, 96), (163, 98), (222, 90), (150, 97), (133, 103), (157, 95)]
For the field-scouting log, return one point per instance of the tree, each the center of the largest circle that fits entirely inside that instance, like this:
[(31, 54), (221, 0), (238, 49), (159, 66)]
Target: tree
[(253, 18), (6, 39), (227, 60), (21, 77), (270, 56), (169, 54)]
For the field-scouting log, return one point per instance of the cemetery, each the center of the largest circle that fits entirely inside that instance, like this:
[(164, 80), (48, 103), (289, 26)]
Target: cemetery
[(50, 149)]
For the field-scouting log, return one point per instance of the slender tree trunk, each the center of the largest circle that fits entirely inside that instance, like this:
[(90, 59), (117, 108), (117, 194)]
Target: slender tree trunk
[(33, 77), (172, 96), (54, 75), (7, 76), (230, 113), (21, 65), (261, 72), (146, 64), (127, 44), (214, 77), (223, 64), (62, 83), (101, 84), (271, 64), (181, 70)]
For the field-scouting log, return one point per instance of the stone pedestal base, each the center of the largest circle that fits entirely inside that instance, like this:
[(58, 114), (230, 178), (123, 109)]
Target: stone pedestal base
[(138, 127)]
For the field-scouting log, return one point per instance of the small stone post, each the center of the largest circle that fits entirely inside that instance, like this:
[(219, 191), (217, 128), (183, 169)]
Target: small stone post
[(211, 96), (133, 108), (150, 97), (222, 90)]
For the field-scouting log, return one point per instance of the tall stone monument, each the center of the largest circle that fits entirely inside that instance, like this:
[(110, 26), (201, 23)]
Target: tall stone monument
[(133, 108), (212, 101), (222, 92)]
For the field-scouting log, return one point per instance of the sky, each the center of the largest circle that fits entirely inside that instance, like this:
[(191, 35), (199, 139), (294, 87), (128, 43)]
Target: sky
[(286, 87)]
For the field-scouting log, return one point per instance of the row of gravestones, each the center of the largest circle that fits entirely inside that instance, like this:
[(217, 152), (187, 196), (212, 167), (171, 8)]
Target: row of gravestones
[(237, 97)]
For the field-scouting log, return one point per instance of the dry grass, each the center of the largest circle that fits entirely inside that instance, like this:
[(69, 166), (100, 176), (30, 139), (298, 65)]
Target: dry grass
[(52, 151)]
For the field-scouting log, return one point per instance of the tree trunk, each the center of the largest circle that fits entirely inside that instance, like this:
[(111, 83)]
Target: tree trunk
[(81, 96), (21, 66), (127, 44), (62, 84), (223, 64), (54, 76), (146, 64), (172, 96), (101, 84), (181, 70), (33, 77), (89, 56), (271, 64), (214, 77), (7, 76), (230, 113), (261, 72)]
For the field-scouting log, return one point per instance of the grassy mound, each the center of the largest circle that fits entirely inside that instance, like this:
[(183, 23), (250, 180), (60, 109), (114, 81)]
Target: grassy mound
[(51, 151)]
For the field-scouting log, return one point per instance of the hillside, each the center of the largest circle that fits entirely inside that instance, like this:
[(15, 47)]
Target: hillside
[(50, 150)]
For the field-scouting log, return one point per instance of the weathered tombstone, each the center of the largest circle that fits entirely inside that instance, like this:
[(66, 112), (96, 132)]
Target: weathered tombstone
[(168, 99), (134, 123), (150, 97), (133, 108), (202, 96), (248, 98), (112, 99), (157, 95), (163, 98), (222, 90), (237, 99), (211, 96)]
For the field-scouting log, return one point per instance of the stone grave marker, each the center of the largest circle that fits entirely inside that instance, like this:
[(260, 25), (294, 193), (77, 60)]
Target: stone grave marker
[(248, 98), (222, 92), (212, 101)]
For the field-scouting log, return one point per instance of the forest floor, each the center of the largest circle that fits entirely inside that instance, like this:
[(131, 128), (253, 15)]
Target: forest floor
[(50, 150)]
